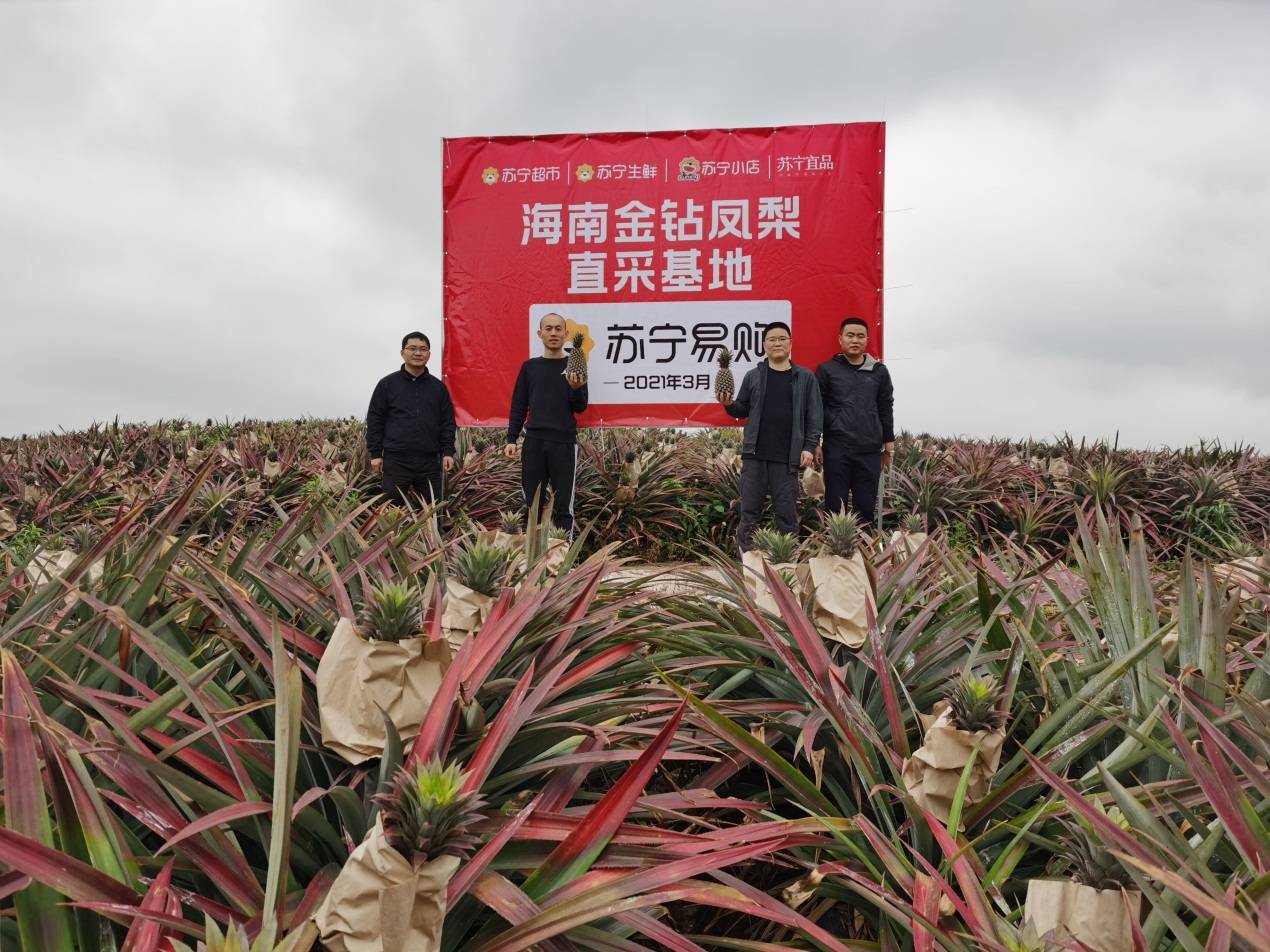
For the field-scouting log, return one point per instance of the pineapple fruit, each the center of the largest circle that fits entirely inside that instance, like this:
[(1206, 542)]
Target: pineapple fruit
[(426, 814), (393, 612), (724, 385), (575, 366), (972, 704), (842, 534)]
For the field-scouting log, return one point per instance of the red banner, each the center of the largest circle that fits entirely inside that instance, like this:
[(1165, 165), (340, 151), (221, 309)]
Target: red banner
[(661, 248)]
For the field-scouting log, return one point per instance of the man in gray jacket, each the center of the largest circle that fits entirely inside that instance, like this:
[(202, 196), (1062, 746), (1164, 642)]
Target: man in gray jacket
[(780, 403)]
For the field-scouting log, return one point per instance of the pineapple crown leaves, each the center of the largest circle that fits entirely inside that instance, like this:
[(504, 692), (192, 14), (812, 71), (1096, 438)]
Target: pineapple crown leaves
[(777, 546), (481, 566), (725, 357), (426, 814), (578, 339), (393, 611), (972, 704), (1086, 860), (842, 533)]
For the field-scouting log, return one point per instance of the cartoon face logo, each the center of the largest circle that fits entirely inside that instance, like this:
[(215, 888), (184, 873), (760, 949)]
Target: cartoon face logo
[(689, 169), (571, 327), (490, 176), (585, 173)]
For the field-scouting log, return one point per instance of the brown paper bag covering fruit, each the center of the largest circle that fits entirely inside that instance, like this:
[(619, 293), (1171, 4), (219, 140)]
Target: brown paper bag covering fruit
[(756, 581), (813, 483), (842, 597), (1102, 919), (931, 775), (463, 611), (380, 903), (357, 677)]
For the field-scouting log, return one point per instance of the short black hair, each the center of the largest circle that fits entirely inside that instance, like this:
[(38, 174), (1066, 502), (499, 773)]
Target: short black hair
[(777, 325), (413, 335), (853, 320)]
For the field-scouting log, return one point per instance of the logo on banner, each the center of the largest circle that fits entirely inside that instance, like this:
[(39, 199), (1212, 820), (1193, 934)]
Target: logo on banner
[(490, 176), (689, 169), (585, 173)]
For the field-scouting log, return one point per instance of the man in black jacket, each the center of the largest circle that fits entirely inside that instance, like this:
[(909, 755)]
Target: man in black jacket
[(410, 426), (548, 398), (780, 404), (859, 422)]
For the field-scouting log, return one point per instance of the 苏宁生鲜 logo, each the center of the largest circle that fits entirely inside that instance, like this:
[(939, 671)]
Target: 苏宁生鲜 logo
[(490, 176), (689, 169), (585, 173)]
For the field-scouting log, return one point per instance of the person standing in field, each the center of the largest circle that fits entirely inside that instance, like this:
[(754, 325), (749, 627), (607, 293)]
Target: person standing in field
[(545, 401), (859, 422), (410, 426), (780, 404)]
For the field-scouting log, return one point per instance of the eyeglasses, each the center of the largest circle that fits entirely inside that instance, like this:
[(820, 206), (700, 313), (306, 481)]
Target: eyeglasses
[(776, 340), (417, 350)]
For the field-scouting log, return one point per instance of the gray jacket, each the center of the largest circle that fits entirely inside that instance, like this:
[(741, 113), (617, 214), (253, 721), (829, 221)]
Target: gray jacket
[(804, 427)]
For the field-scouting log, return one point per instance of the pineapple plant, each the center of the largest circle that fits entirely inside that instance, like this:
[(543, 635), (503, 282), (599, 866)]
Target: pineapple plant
[(842, 534), (427, 815), (724, 385), (1087, 861), (972, 704), (510, 522), (914, 522), (575, 366), (394, 611), (482, 567), (777, 547)]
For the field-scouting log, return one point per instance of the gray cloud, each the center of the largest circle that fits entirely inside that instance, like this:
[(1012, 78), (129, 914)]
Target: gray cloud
[(227, 209)]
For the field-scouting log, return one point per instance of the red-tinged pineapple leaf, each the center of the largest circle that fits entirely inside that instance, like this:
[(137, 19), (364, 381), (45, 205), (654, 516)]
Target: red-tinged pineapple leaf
[(42, 923), (926, 903), (1201, 901), (981, 919), (580, 848), (62, 873), (11, 882), (144, 934), (214, 819)]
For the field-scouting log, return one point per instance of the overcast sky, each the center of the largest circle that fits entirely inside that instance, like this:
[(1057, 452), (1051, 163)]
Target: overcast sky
[(232, 209)]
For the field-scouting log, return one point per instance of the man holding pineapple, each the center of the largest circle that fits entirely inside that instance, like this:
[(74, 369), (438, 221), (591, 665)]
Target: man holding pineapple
[(550, 390), (410, 426), (780, 404), (859, 422)]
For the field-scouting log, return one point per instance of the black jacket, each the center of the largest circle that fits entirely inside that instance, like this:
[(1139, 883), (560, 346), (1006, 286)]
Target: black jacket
[(410, 417), (859, 404), (545, 397), (804, 428)]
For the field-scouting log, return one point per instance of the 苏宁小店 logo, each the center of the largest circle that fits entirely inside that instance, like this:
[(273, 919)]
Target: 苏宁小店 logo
[(490, 176), (689, 169), (585, 173)]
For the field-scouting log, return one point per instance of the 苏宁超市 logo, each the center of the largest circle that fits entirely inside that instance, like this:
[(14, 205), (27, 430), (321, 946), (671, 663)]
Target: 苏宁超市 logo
[(585, 173), (689, 169), (490, 176)]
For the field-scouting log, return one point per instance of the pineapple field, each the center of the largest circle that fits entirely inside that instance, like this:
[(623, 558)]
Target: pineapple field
[(248, 707)]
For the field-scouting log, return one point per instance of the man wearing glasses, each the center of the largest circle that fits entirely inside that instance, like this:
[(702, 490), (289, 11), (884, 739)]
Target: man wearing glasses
[(780, 403), (410, 426)]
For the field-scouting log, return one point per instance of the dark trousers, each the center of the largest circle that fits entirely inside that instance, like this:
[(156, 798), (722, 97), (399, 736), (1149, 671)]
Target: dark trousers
[(421, 476), (761, 478), (854, 474), (545, 465)]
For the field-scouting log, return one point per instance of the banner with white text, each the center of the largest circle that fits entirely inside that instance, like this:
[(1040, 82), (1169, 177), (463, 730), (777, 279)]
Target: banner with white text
[(662, 248)]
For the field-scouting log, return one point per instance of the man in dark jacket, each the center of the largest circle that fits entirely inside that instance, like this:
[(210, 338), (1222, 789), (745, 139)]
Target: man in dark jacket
[(410, 426), (780, 404), (548, 398), (859, 422)]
